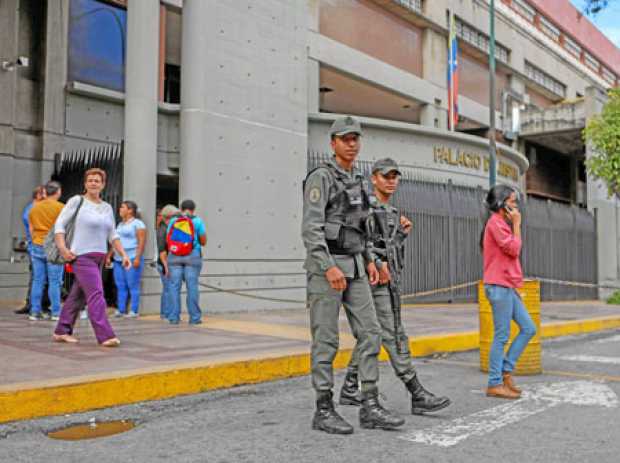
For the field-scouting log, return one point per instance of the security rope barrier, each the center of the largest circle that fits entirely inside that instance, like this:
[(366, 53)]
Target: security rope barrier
[(431, 292)]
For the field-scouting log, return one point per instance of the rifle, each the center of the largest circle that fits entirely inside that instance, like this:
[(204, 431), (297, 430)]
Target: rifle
[(393, 262)]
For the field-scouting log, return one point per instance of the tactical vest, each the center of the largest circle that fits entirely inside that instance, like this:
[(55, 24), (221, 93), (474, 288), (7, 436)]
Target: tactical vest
[(382, 236), (346, 212)]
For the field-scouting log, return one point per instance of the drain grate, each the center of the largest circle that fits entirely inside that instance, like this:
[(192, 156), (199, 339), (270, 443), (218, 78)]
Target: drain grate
[(92, 430)]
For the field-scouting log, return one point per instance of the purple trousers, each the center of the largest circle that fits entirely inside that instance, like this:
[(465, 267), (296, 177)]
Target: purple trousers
[(87, 289)]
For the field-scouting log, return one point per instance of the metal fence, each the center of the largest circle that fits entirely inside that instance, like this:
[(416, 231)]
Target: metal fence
[(69, 170), (443, 249)]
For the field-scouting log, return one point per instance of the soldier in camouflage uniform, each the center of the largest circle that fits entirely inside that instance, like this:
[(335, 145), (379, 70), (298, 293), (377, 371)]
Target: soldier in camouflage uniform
[(336, 204), (389, 229)]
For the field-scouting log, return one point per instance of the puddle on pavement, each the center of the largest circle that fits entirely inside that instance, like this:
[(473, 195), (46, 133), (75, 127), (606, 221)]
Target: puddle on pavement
[(92, 430)]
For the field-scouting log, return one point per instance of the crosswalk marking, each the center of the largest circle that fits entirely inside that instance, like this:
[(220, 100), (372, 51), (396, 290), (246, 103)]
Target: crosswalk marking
[(537, 399)]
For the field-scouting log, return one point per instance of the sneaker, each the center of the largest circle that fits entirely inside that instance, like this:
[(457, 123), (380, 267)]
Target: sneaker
[(118, 314), (55, 318), (35, 317), (46, 315), (132, 315)]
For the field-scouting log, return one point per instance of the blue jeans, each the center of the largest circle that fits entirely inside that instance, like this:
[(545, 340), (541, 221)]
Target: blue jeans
[(507, 305), (185, 268), (167, 293), (127, 284), (43, 271)]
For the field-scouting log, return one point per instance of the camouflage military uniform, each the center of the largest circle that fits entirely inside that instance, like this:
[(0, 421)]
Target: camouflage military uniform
[(323, 233), (387, 236), (401, 361)]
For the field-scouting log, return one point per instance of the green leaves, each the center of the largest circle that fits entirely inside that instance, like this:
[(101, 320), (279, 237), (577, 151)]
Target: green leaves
[(592, 7), (603, 134)]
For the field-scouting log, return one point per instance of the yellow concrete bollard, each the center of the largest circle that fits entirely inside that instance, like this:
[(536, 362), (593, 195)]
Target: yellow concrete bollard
[(530, 361)]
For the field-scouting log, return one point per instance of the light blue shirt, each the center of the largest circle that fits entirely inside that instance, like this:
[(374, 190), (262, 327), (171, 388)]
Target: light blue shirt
[(128, 233), (199, 230)]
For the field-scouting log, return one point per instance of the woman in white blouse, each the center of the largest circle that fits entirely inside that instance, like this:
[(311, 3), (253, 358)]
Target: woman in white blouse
[(93, 229)]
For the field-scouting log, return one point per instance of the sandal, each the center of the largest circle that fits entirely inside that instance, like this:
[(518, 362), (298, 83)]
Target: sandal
[(65, 338), (112, 342)]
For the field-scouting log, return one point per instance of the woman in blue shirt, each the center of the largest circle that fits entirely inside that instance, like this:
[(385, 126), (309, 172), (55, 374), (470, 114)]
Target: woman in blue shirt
[(132, 232)]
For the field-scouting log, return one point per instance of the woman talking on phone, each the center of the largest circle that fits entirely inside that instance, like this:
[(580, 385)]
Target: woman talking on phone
[(501, 247)]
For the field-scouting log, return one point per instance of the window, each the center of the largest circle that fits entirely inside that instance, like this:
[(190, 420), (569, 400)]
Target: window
[(31, 24), (609, 76), (549, 29), (97, 36), (545, 80), (172, 83), (591, 62), (415, 5), (171, 36), (480, 41), (572, 46), (524, 10)]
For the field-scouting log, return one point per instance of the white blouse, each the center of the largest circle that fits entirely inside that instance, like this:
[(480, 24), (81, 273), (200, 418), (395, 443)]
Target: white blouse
[(94, 225)]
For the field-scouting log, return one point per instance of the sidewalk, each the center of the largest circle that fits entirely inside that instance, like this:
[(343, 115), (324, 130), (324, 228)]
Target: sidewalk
[(157, 360)]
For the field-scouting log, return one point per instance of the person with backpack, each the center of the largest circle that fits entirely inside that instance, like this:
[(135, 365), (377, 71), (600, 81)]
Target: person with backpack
[(184, 240), (166, 214)]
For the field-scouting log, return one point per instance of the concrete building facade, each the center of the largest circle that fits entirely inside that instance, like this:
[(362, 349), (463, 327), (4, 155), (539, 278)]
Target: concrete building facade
[(220, 101)]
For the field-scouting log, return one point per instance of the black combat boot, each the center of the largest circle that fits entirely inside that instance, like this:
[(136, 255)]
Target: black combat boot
[(422, 400), (373, 415), (326, 418), (350, 393)]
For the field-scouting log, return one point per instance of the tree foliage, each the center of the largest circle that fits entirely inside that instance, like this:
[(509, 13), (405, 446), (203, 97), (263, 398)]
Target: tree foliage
[(603, 134), (593, 7)]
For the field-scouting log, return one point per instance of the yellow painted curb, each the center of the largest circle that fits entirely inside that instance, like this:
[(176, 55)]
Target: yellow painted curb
[(587, 325), (25, 402)]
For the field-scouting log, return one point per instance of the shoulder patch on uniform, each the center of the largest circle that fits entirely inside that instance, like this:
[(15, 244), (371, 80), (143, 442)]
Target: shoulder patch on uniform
[(314, 195)]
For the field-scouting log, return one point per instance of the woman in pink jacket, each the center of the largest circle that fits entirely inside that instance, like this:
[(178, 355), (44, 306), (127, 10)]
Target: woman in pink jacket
[(501, 247)]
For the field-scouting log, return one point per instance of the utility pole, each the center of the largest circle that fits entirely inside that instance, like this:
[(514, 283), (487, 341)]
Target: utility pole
[(492, 147)]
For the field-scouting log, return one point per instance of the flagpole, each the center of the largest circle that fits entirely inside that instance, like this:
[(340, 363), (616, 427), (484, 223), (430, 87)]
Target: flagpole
[(450, 74), (492, 146)]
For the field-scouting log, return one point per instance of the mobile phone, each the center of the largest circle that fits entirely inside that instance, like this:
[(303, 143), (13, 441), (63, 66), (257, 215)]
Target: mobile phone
[(507, 208)]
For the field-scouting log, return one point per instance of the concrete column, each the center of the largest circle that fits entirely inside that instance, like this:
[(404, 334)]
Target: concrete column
[(193, 99), (314, 83), (604, 208), (141, 85), (435, 70), (243, 132), (434, 116), (56, 56), (435, 57), (594, 101), (9, 33)]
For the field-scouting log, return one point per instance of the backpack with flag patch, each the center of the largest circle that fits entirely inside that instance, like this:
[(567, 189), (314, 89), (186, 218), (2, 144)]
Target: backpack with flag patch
[(180, 237)]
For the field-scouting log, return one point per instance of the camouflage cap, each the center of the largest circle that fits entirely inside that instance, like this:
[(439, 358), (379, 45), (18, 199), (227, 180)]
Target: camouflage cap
[(344, 125), (385, 166)]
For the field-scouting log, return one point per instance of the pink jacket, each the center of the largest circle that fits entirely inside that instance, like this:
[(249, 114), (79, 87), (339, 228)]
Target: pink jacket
[(500, 254)]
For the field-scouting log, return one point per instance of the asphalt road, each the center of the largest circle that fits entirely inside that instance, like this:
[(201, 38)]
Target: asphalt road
[(569, 414)]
